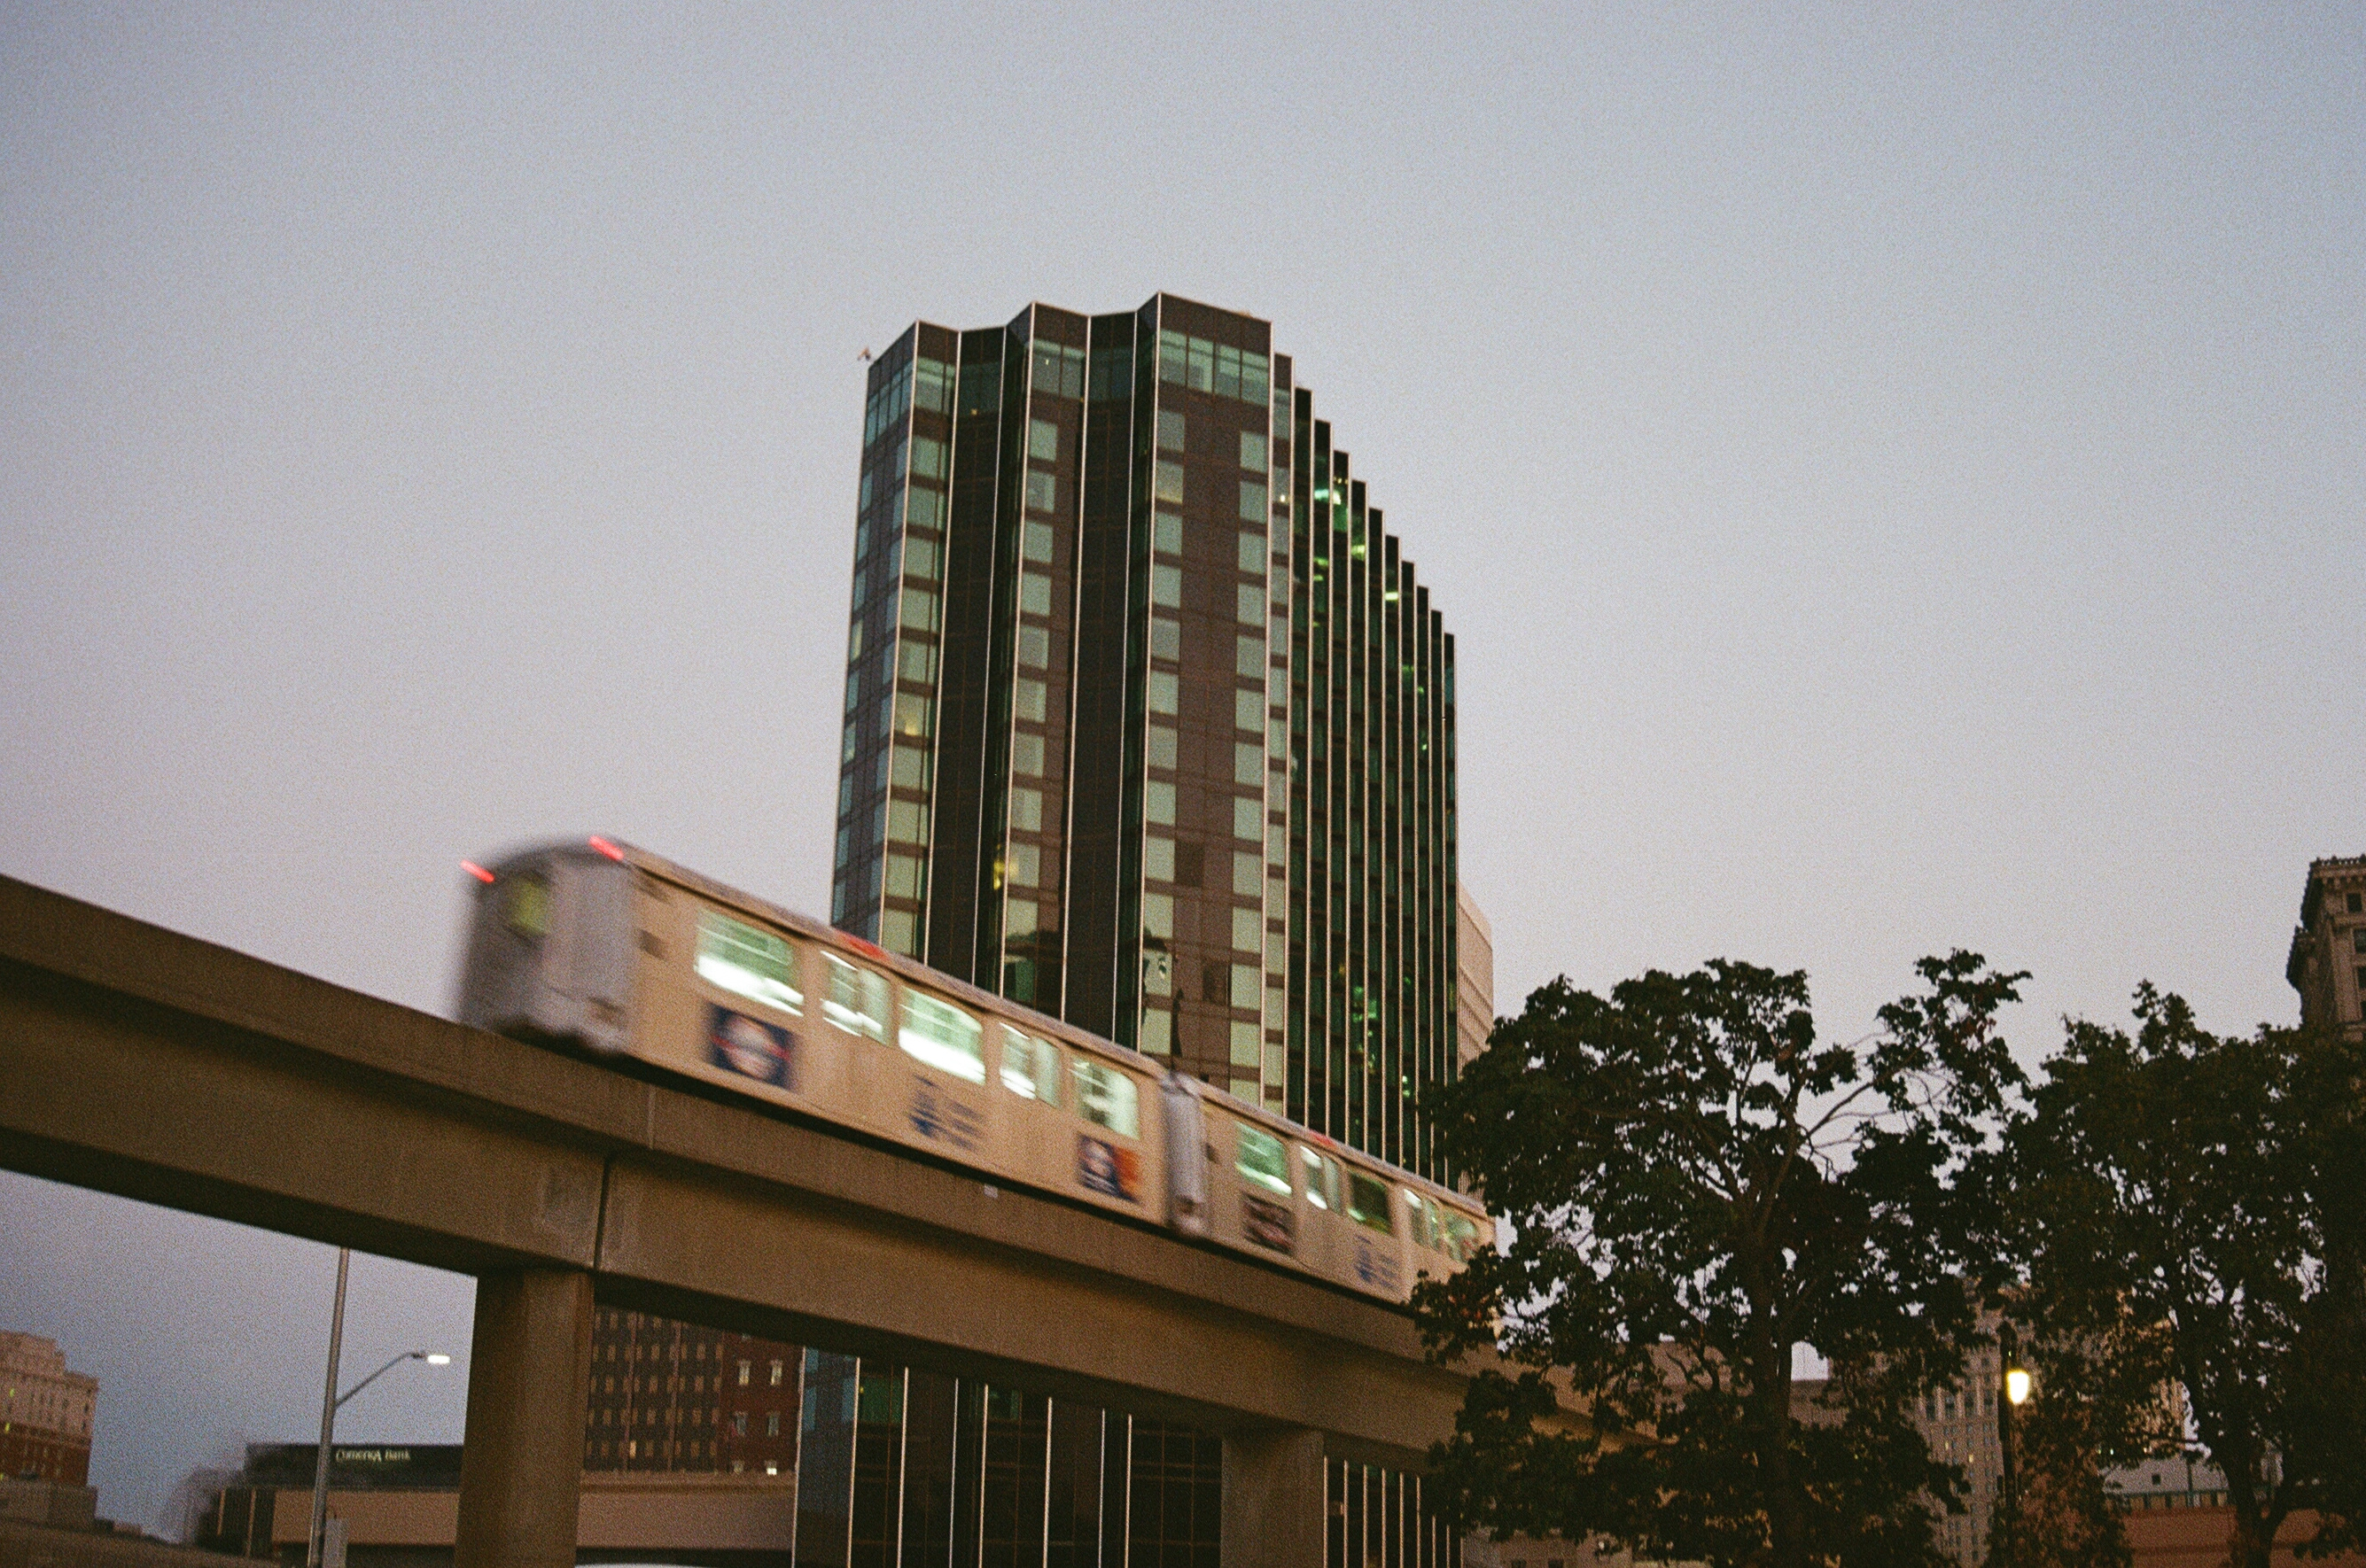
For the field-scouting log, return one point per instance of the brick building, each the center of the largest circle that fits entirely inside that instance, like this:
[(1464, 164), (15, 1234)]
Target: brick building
[(45, 1411)]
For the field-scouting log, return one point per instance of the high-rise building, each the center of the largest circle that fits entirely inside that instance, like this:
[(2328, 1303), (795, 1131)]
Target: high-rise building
[(2327, 966), (45, 1411), (1149, 721), (1475, 978)]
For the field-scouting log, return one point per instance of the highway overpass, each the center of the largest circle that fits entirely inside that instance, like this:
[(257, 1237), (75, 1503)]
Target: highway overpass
[(142, 1062)]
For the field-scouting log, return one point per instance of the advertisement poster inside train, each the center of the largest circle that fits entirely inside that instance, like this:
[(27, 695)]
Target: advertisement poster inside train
[(750, 1047), (1109, 1168)]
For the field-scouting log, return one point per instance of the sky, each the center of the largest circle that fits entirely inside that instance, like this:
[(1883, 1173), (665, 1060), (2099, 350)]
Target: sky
[(1897, 482)]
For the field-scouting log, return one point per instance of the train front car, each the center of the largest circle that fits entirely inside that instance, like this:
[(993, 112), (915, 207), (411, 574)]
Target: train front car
[(602, 944), (1268, 1187), (550, 945)]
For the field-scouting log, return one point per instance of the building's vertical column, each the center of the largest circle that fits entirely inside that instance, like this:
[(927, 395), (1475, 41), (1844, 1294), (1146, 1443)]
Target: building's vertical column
[(1274, 1499), (1274, 1021), (529, 1374)]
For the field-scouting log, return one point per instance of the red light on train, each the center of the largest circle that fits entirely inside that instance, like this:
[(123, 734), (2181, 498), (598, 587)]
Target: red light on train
[(606, 849), (476, 871)]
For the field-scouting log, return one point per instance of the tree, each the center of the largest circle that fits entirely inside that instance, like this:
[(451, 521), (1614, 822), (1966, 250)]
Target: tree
[(2190, 1208), (2090, 1405), (1693, 1186)]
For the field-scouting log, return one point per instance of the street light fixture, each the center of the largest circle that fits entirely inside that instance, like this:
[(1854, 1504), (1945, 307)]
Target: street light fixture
[(331, 1402), (2016, 1393)]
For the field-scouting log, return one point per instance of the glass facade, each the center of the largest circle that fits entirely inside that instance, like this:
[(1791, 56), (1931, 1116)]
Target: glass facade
[(1148, 722)]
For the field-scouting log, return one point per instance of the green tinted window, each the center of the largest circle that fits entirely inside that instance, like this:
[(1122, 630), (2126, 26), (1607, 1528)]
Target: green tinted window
[(1322, 1180), (1263, 1158), (1368, 1204), (529, 906), (1107, 1098), (943, 1035), (1030, 1068), (1461, 1238), (1421, 1217), (858, 999), (747, 961)]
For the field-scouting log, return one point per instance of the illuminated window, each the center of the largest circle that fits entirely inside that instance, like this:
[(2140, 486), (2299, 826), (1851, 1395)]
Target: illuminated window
[(942, 1035), (736, 956), (1322, 1180), (858, 999), (1262, 1158), (1108, 1098), (1031, 1066)]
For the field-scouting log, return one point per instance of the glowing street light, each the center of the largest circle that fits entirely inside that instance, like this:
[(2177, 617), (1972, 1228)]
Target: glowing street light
[(2006, 1523), (331, 1402)]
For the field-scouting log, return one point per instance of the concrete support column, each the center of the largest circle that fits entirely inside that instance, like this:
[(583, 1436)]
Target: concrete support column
[(529, 1377), (1274, 1499)]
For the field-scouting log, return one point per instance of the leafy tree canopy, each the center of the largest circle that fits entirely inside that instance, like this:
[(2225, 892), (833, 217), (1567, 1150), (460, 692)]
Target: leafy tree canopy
[(2192, 1208), (1695, 1183)]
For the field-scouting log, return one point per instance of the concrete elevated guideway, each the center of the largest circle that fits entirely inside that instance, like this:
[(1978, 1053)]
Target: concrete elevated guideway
[(139, 1061)]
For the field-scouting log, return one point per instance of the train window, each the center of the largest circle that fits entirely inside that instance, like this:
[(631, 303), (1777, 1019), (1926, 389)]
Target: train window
[(1030, 1068), (1461, 1238), (749, 962), (943, 1035), (1322, 1180), (529, 906), (1263, 1158), (1421, 1220), (858, 999), (1368, 1204), (1108, 1098)]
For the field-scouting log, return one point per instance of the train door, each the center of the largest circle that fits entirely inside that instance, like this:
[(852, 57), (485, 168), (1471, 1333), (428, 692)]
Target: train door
[(1264, 1216), (1031, 1075), (940, 1099), (856, 1004), (1323, 1243), (1376, 1247), (1113, 1144)]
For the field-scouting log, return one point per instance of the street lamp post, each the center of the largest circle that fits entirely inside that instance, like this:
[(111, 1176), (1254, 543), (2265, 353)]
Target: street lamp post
[(331, 1402), (2016, 1392)]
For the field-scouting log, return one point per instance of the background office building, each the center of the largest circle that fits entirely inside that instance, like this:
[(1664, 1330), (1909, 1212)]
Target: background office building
[(45, 1411), (1149, 722)]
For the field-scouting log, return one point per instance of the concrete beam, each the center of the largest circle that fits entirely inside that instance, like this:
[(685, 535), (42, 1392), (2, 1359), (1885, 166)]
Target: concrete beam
[(138, 1061)]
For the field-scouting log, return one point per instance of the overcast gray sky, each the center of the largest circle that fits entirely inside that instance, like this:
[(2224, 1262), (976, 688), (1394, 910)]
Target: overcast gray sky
[(1895, 481)]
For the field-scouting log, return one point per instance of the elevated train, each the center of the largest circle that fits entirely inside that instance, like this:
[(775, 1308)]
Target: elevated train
[(617, 951)]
